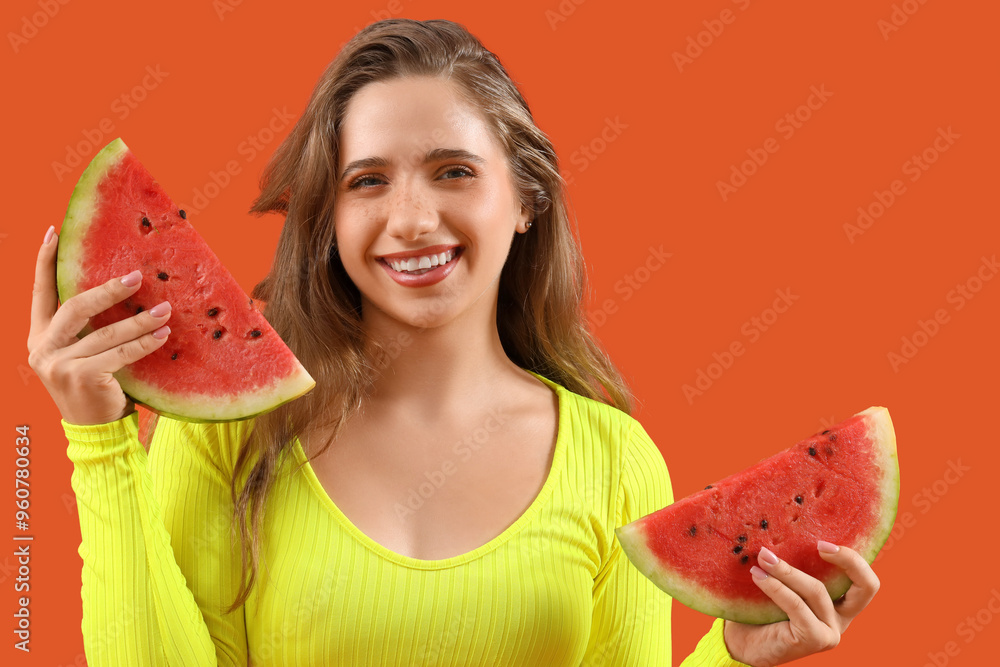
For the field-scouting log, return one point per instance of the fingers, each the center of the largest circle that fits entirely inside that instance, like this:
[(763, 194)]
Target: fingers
[(123, 331), (806, 595), (44, 297), (116, 358), (865, 582), (75, 314), (805, 631)]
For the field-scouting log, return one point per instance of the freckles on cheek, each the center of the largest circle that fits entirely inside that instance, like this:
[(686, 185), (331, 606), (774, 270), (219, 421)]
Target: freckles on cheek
[(351, 220)]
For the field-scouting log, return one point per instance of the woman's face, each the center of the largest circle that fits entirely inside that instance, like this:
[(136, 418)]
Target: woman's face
[(420, 174)]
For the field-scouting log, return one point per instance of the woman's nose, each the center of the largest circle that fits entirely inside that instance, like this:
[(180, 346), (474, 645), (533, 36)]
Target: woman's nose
[(411, 212)]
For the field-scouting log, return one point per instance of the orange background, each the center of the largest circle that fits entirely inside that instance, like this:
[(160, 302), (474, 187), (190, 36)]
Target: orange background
[(655, 183)]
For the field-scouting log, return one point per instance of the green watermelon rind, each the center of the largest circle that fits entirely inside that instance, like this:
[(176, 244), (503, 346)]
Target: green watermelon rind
[(82, 204), (261, 401), (632, 538), (81, 208)]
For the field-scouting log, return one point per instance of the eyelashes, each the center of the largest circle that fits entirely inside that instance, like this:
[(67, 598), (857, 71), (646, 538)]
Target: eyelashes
[(356, 184)]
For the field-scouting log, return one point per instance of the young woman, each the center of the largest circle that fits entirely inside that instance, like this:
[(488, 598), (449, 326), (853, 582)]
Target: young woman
[(448, 493)]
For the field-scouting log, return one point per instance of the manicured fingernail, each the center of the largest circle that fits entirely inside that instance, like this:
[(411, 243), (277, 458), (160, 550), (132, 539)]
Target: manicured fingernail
[(49, 234), (132, 279), (827, 547), (160, 310), (161, 332), (758, 573), (767, 556)]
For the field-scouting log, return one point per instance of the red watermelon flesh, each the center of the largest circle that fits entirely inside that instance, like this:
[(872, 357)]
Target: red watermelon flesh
[(841, 486), (222, 360)]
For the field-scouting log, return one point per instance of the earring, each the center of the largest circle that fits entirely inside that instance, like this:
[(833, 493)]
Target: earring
[(527, 225)]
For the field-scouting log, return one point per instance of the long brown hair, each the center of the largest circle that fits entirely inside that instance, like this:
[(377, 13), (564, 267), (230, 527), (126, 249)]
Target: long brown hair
[(315, 307)]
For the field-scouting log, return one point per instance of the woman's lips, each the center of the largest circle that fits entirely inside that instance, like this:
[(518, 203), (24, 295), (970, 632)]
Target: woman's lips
[(429, 276)]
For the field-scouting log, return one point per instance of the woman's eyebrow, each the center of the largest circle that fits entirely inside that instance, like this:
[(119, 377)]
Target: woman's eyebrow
[(432, 155)]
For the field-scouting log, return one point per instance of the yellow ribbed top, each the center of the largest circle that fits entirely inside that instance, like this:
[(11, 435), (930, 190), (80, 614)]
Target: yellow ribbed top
[(553, 589)]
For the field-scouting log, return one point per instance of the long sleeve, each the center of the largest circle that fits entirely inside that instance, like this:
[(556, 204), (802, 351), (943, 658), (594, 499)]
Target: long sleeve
[(138, 608), (631, 621)]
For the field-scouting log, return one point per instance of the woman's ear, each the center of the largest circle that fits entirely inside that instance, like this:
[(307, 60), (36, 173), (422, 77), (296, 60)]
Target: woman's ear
[(524, 219)]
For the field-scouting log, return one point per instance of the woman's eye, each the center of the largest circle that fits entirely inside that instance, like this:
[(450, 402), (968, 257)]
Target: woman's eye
[(458, 170), (359, 183)]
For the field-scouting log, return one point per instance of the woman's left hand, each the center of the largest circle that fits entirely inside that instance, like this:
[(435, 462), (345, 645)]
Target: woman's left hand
[(815, 622)]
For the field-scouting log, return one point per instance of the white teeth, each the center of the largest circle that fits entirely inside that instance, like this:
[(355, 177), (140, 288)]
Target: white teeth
[(423, 262)]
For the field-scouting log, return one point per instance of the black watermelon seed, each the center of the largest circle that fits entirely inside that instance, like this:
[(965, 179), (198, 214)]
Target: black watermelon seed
[(145, 222), (709, 486), (825, 432), (693, 530), (763, 524), (742, 538), (255, 333), (812, 451), (173, 356), (833, 437), (139, 310), (162, 275), (828, 450), (182, 214), (737, 549), (213, 312), (798, 499), (218, 334), (744, 559)]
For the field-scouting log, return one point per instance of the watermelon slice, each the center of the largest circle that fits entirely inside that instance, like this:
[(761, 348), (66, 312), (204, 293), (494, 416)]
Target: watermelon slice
[(841, 486), (222, 361)]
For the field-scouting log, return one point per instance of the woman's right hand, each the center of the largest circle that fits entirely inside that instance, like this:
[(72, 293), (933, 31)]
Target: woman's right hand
[(78, 372)]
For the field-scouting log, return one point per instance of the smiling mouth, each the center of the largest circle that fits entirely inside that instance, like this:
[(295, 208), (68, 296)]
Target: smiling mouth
[(415, 266)]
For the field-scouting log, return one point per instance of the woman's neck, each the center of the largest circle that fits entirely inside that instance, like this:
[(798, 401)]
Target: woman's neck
[(443, 370)]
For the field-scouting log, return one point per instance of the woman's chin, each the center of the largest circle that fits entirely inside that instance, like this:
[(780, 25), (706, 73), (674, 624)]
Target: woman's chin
[(428, 316)]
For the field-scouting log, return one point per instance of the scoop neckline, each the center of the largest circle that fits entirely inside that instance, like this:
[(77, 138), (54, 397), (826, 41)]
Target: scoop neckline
[(536, 506)]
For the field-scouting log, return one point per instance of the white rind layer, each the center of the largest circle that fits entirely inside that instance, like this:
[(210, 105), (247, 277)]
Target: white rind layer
[(632, 538), (83, 204), (210, 408)]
